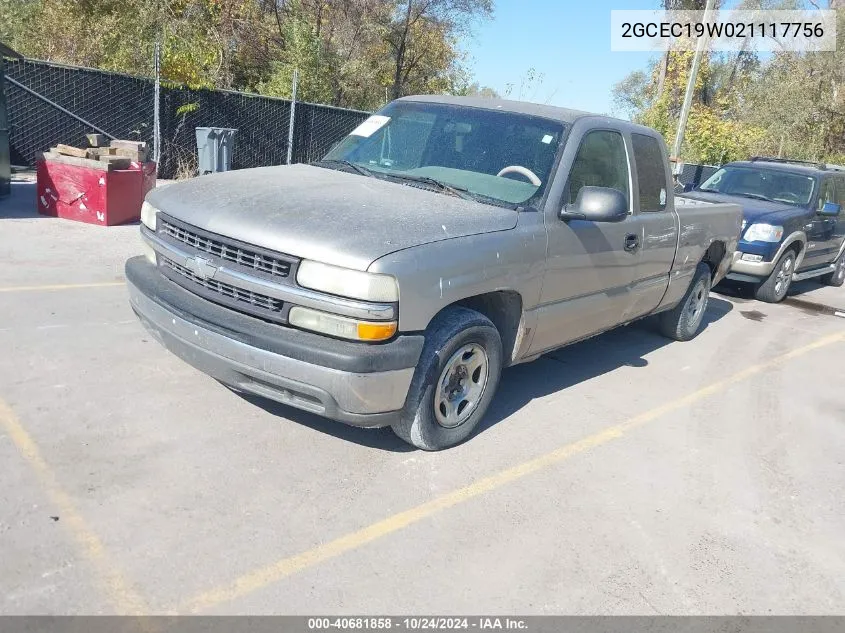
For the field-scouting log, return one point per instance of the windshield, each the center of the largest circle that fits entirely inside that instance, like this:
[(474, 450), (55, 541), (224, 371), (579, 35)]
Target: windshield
[(764, 184), (491, 156)]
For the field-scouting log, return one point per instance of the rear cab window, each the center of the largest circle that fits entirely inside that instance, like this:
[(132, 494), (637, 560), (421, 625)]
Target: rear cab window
[(651, 174)]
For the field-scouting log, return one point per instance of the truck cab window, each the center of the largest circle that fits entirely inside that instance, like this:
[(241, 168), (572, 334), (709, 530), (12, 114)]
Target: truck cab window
[(651, 177), (601, 162)]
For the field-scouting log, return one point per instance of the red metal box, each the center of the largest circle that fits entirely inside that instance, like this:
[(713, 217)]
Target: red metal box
[(90, 191)]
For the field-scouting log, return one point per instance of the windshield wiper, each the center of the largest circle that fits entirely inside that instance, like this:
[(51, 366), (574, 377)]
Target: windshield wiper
[(333, 163), (755, 196), (442, 186), (708, 190)]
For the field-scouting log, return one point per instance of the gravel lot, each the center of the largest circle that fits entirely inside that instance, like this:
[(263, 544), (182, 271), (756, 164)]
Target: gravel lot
[(624, 475)]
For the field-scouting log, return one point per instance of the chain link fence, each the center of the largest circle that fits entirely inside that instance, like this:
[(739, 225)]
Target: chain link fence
[(52, 103), (696, 174)]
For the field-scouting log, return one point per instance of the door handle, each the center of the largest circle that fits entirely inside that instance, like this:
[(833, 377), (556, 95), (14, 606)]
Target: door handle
[(632, 242)]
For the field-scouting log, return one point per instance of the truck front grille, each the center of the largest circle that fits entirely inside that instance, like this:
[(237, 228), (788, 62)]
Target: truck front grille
[(225, 249), (237, 298)]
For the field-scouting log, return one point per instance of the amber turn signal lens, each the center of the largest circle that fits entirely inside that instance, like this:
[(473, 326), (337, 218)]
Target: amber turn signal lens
[(376, 331)]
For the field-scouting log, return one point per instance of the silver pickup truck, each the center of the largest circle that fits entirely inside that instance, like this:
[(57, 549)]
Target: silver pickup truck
[(444, 239)]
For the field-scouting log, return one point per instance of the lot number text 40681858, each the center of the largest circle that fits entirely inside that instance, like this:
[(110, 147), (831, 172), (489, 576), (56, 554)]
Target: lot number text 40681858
[(417, 623)]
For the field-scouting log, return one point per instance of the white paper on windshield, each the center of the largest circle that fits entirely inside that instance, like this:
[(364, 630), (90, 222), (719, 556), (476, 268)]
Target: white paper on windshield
[(371, 125), (547, 139)]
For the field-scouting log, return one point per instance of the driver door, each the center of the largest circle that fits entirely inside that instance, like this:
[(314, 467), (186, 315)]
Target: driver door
[(821, 230), (590, 266)]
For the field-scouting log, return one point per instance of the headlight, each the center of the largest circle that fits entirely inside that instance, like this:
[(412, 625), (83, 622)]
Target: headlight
[(339, 326), (148, 215), (763, 233), (347, 282)]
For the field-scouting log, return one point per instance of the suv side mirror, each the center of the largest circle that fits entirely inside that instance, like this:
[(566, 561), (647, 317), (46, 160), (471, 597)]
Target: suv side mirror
[(689, 187), (830, 209), (596, 204)]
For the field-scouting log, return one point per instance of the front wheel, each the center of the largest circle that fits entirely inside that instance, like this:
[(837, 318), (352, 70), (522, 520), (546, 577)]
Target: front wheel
[(774, 289), (454, 382), (837, 277), (681, 323)]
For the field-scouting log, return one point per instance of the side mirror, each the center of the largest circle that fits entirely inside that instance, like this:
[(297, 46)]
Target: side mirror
[(597, 204), (689, 187), (830, 209)]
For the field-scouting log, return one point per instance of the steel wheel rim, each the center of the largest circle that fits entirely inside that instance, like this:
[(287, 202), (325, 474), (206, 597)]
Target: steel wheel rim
[(461, 386), (698, 303), (784, 274)]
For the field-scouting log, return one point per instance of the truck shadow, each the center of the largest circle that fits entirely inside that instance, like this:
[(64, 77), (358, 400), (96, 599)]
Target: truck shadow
[(742, 292), (564, 368), (521, 384)]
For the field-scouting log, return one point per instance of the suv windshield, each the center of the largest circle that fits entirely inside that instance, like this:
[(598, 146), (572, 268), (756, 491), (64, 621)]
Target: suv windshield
[(497, 157), (764, 184)]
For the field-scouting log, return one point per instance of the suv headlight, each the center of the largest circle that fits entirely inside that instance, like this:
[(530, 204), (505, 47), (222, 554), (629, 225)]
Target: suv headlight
[(148, 215), (763, 233), (346, 282)]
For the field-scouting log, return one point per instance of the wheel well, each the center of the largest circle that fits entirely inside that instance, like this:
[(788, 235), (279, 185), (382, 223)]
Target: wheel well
[(504, 309), (714, 256), (796, 246)]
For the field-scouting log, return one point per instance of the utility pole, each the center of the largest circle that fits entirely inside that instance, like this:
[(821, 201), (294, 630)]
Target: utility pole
[(701, 46)]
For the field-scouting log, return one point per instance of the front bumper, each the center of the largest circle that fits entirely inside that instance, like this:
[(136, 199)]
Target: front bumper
[(742, 270), (357, 383)]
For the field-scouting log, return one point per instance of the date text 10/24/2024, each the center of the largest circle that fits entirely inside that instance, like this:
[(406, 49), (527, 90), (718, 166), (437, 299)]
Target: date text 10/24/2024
[(417, 623)]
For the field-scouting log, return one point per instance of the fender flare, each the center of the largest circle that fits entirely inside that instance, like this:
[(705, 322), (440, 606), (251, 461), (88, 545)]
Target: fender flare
[(792, 238)]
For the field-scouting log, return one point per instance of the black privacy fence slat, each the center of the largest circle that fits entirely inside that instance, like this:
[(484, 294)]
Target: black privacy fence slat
[(123, 106), (696, 174)]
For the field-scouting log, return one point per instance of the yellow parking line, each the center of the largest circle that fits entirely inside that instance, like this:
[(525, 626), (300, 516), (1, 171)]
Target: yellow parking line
[(274, 572), (50, 287), (124, 598)]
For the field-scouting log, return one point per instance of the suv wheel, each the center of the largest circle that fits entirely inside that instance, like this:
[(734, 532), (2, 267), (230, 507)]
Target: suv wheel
[(681, 323), (454, 382), (774, 289), (837, 277)]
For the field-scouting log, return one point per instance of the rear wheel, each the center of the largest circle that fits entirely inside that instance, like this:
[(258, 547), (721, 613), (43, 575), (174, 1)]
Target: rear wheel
[(837, 277), (775, 288), (682, 322), (454, 382)]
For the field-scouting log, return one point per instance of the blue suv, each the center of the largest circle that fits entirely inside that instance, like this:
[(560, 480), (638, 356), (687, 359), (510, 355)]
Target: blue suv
[(793, 221)]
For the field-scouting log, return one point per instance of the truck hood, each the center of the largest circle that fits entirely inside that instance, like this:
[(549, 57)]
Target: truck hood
[(753, 210), (324, 214)]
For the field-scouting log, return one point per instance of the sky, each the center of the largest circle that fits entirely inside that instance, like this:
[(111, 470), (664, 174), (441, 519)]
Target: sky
[(568, 41)]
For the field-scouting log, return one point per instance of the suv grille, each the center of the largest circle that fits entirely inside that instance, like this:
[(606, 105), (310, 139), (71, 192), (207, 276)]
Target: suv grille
[(237, 298), (226, 250)]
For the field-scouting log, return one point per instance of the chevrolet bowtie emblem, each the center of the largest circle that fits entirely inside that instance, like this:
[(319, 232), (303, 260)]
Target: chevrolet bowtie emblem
[(202, 267)]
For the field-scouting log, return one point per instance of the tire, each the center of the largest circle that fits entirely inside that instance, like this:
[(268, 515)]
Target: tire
[(776, 286), (837, 277), (454, 382), (682, 322)]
